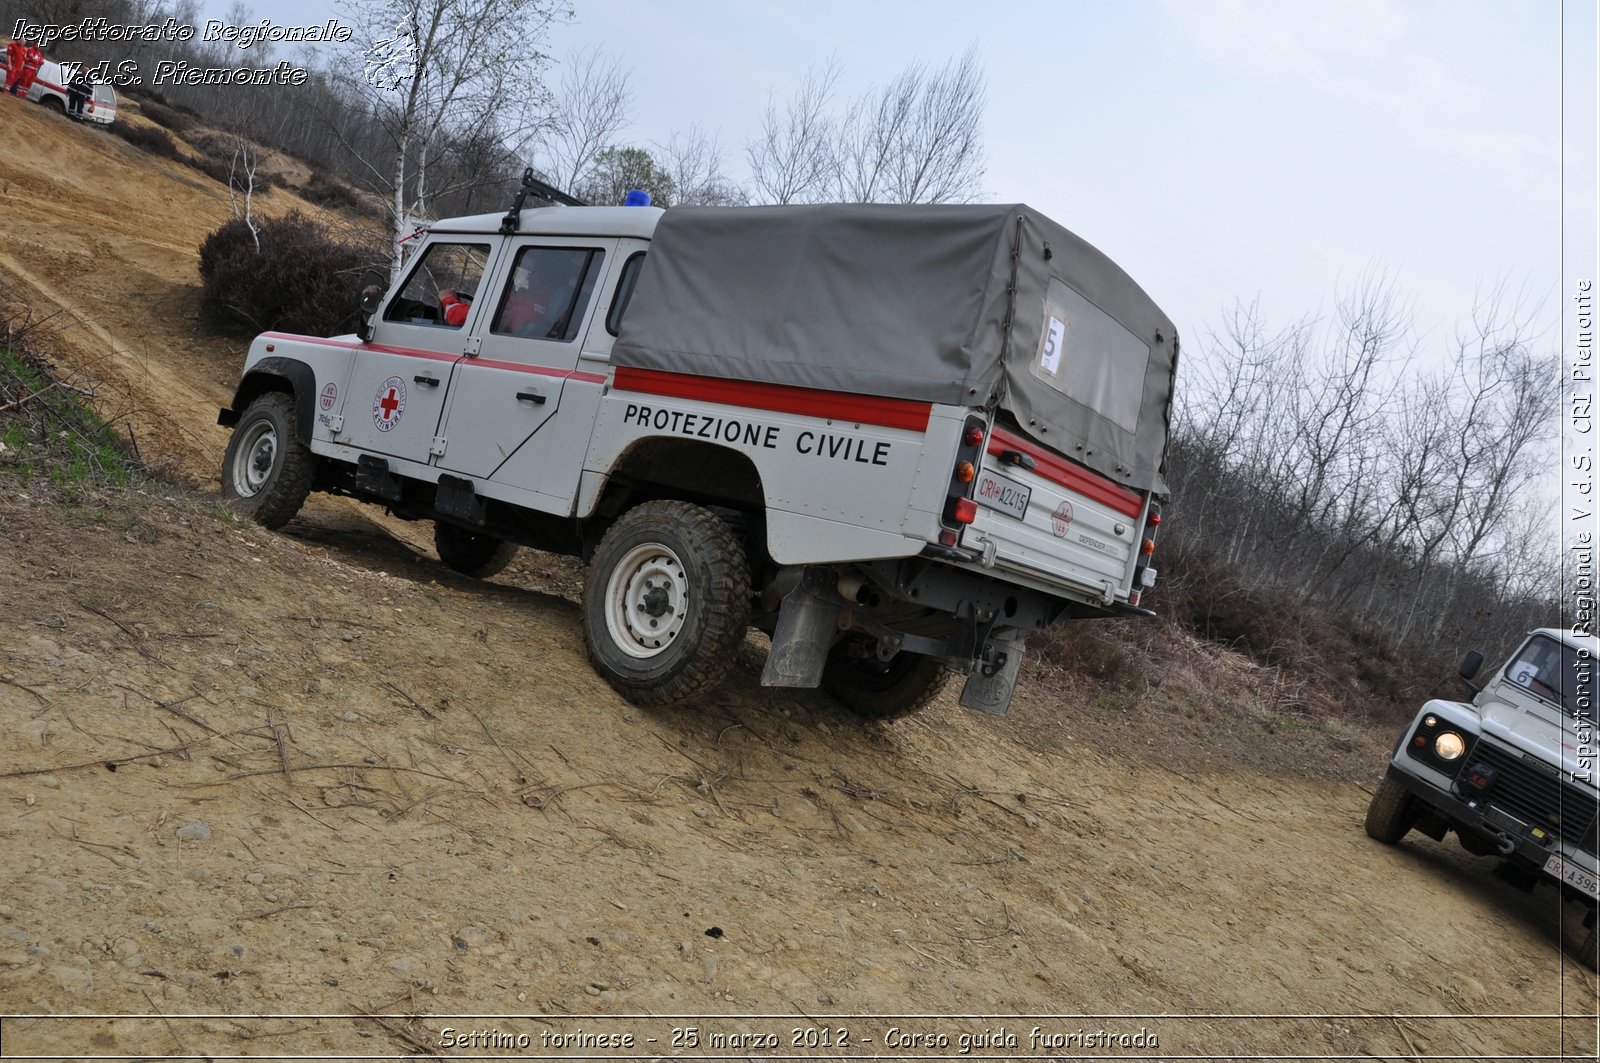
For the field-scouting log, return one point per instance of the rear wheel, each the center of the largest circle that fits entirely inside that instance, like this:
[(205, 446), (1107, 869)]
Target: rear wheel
[(875, 689), (266, 470), (472, 553), (1392, 813), (667, 602)]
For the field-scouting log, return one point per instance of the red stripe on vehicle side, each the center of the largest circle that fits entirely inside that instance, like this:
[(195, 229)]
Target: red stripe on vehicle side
[(436, 356), (1069, 474), (780, 398)]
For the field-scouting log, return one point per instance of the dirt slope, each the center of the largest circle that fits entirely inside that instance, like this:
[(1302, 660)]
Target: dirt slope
[(315, 774)]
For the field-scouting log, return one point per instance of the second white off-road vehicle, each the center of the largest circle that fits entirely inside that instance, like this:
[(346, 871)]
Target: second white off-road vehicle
[(897, 439), (1513, 772)]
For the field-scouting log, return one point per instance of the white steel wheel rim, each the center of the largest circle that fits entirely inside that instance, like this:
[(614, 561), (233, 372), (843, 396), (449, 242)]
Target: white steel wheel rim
[(647, 601), (254, 460)]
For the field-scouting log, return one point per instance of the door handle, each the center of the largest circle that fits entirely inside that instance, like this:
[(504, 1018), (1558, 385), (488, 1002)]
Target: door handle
[(427, 381), (530, 396)]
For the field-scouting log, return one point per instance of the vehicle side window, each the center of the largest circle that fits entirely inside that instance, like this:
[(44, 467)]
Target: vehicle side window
[(441, 287), (625, 286), (549, 290), (1552, 671)]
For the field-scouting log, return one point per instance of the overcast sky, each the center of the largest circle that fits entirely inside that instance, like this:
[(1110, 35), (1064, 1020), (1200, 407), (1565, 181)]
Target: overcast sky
[(1216, 149)]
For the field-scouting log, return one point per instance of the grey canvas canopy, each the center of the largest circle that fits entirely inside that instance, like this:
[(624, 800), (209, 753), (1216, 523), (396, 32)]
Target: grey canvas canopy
[(949, 304)]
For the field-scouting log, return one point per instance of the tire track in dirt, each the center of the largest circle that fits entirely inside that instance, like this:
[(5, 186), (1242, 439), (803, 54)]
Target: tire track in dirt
[(160, 402)]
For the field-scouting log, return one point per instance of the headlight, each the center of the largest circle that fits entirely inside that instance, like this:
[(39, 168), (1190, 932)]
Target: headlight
[(1449, 746)]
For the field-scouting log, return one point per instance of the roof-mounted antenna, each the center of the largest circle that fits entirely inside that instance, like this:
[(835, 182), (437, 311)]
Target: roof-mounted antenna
[(547, 194)]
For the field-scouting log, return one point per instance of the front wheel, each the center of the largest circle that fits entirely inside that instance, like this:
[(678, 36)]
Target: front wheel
[(472, 553), (266, 470), (875, 689), (1392, 814), (667, 602)]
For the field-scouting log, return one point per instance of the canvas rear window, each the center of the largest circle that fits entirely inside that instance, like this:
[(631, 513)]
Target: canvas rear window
[(1088, 356)]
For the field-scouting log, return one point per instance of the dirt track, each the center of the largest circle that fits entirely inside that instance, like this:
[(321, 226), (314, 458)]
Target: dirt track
[(347, 781)]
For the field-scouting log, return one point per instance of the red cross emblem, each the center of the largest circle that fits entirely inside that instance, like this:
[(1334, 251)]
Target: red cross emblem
[(389, 404)]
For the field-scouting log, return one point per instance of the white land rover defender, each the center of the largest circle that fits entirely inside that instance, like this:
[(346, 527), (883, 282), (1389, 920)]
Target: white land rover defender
[(1513, 773), (895, 438)]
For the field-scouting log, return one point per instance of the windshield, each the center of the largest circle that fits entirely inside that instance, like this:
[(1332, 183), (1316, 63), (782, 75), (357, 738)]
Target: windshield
[(1557, 673)]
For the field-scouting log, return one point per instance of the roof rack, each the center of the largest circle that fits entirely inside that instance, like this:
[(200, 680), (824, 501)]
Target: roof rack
[(539, 190)]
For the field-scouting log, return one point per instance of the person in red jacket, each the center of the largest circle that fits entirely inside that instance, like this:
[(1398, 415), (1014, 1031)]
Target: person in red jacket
[(16, 58), (30, 68)]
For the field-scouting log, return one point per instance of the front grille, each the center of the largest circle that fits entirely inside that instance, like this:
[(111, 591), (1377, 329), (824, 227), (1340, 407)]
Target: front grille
[(1523, 788)]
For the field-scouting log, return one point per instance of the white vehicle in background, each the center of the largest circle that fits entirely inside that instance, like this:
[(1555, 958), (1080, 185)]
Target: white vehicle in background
[(895, 438), (50, 90), (1513, 773)]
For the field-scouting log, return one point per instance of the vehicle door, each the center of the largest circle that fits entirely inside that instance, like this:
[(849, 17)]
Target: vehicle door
[(396, 390), (501, 397)]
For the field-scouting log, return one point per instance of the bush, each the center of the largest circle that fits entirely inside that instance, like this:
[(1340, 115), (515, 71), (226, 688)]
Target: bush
[(1096, 649), (149, 138), (162, 115), (326, 192), (300, 280), (225, 170)]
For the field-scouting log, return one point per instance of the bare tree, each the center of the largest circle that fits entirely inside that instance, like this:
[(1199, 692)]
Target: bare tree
[(792, 159), (693, 160), (432, 67), (588, 108), (242, 180), (917, 139)]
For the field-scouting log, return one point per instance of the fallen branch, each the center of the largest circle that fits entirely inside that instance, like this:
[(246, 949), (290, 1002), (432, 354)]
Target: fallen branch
[(172, 707), (126, 630), (275, 911), (358, 767), (522, 779), (86, 392), (8, 681), (111, 763), (413, 702), (415, 1043), (283, 751)]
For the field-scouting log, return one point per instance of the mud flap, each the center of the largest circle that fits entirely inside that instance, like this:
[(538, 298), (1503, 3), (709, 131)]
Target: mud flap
[(373, 477), (456, 497), (807, 624), (992, 692)]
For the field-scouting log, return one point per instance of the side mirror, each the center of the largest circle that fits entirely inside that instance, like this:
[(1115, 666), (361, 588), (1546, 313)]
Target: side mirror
[(1470, 664), (374, 283)]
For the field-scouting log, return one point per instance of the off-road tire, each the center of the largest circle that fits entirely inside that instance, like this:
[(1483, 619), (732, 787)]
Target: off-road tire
[(688, 561), (881, 690), (267, 470), (1392, 813), (472, 553)]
